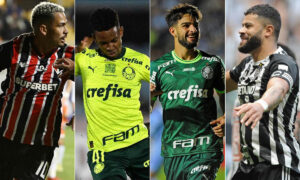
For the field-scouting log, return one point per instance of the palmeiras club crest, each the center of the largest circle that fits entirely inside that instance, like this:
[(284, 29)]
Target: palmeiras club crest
[(207, 72)]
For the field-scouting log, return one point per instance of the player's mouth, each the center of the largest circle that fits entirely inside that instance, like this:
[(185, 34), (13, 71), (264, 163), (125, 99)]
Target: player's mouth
[(111, 53), (63, 39), (244, 39), (193, 37)]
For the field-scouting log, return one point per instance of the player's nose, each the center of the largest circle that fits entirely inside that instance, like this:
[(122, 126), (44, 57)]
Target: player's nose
[(242, 30), (193, 29)]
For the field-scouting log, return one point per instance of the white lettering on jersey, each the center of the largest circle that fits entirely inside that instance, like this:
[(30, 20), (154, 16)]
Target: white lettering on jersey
[(191, 142), (186, 94)]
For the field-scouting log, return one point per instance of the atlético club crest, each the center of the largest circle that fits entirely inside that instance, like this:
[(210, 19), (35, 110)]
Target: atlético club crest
[(207, 72)]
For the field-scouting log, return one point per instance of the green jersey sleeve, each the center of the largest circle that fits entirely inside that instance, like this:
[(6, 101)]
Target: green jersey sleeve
[(154, 74), (219, 82)]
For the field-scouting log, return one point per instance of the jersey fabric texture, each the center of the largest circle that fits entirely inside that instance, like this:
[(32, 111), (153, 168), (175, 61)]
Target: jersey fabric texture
[(193, 167), (111, 91), (188, 103), (272, 139), (265, 171), (30, 93), (132, 161), (23, 161)]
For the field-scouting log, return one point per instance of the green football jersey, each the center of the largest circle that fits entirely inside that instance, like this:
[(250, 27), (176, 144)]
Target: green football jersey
[(187, 101), (111, 91)]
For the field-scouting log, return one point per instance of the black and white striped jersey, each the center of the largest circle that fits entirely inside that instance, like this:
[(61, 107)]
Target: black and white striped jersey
[(272, 139), (30, 92)]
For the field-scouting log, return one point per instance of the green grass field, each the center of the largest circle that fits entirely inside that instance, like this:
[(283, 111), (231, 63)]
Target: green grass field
[(68, 161)]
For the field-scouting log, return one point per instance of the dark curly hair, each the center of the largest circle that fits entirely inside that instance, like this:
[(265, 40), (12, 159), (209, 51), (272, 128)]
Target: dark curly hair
[(103, 19), (181, 9)]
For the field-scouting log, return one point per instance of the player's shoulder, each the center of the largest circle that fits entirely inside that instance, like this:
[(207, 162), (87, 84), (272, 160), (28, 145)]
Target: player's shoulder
[(282, 59), (210, 57), (87, 51), (6, 45), (131, 53), (87, 54)]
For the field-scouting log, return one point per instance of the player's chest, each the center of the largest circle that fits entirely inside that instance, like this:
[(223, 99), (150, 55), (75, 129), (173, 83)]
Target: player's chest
[(35, 75), (252, 80), (178, 76), (99, 71), (253, 74)]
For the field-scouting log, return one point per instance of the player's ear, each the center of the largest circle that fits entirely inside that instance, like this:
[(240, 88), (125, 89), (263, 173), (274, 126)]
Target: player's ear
[(172, 31), (43, 29), (269, 30), (121, 31)]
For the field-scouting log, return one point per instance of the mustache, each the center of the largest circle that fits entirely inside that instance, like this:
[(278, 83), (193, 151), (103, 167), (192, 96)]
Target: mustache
[(193, 34)]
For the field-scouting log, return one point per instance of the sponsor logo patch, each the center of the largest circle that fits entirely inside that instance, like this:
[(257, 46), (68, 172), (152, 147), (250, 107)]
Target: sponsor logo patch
[(283, 67)]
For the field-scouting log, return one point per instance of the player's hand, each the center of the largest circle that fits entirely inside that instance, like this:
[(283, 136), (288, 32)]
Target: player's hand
[(251, 113), (85, 43), (219, 126), (67, 65), (153, 90)]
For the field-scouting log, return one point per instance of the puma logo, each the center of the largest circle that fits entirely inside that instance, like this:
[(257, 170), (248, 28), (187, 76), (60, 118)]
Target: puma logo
[(171, 73), (93, 69)]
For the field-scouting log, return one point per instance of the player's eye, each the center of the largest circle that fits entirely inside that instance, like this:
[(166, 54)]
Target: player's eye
[(185, 25), (103, 43)]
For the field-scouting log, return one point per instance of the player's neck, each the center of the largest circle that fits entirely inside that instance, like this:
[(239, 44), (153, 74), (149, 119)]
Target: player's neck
[(186, 54), (42, 48), (263, 51)]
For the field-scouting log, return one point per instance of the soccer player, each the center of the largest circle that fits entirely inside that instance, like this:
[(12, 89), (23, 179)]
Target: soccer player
[(186, 78), (268, 83), (31, 86), (111, 75)]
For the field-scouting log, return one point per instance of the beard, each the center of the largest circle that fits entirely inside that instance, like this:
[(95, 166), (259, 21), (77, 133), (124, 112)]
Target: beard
[(189, 45), (253, 43)]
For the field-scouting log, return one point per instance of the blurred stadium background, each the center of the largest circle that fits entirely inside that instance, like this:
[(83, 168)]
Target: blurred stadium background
[(212, 41), (15, 20), (134, 17), (289, 35)]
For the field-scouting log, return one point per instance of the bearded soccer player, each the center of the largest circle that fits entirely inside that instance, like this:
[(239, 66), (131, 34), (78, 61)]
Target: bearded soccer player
[(111, 75), (185, 79), (268, 83), (30, 104)]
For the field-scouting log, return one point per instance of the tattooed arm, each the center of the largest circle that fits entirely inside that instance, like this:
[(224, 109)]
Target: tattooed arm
[(276, 90)]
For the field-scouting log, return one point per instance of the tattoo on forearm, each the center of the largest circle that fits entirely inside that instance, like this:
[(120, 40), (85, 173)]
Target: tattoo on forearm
[(274, 96)]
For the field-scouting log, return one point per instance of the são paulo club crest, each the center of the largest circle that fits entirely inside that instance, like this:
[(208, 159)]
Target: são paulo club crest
[(128, 72), (207, 72)]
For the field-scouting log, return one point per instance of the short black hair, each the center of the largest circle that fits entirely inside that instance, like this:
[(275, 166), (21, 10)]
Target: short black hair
[(104, 18), (43, 13), (268, 12), (181, 9)]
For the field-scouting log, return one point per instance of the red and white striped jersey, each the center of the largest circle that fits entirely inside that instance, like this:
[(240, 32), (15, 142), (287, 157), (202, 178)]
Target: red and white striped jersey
[(30, 93)]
